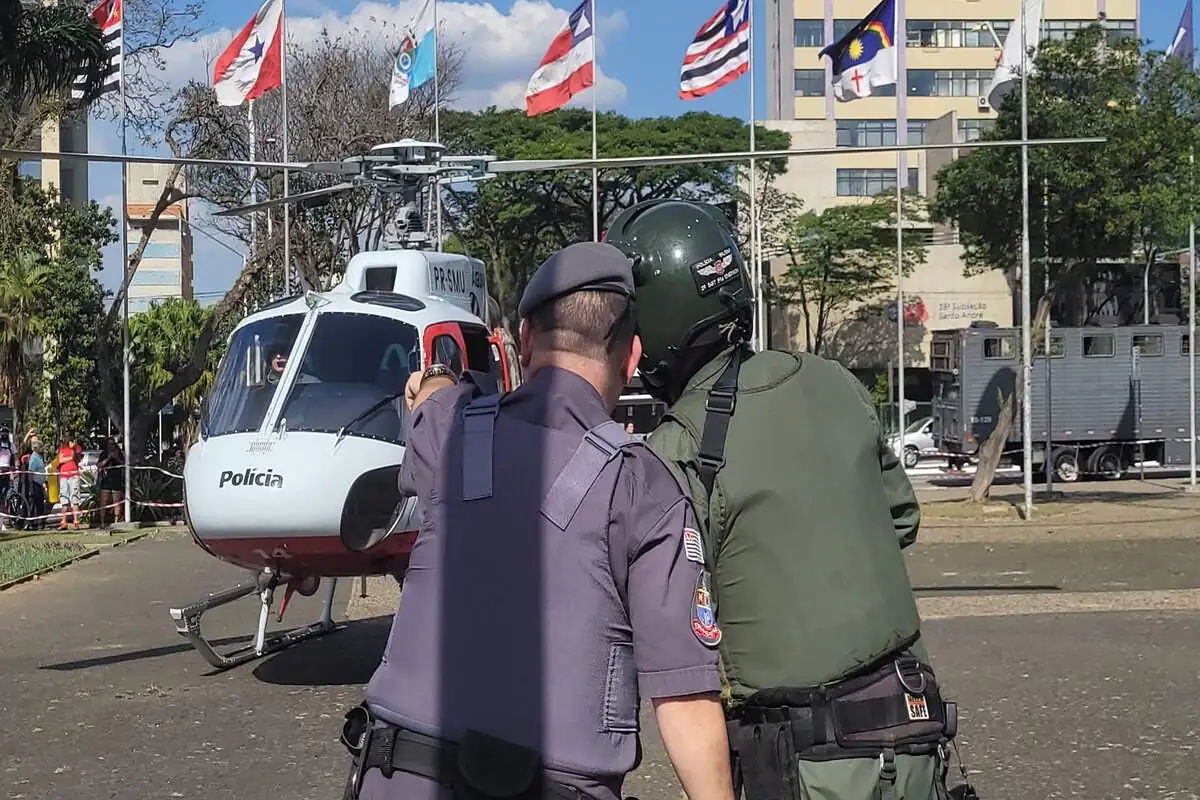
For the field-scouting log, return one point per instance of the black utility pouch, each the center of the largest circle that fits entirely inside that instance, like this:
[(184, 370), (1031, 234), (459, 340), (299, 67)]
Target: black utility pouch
[(767, 760), (493, 769)]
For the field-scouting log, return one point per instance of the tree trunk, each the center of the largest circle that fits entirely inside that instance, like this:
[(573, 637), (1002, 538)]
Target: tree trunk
[(993, 448)]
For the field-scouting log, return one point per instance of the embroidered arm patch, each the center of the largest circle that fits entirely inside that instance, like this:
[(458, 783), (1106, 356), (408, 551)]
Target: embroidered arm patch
[(692, 548), (704, 617)]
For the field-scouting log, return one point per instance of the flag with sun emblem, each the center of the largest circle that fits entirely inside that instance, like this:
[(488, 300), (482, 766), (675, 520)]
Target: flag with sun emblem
[(866, 56)]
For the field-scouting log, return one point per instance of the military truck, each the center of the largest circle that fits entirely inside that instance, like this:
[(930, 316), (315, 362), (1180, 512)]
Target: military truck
[(1106, 399)]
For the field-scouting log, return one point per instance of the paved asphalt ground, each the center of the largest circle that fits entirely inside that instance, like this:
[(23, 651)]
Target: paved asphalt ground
[(1071, 645)]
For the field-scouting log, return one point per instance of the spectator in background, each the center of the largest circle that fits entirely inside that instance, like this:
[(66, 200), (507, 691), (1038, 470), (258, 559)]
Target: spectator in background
[(110, 475), (69, 494), (35, 466), (8, 461)]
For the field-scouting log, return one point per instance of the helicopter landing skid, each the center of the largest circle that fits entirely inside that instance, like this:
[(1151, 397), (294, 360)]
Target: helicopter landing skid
[(187, 623)]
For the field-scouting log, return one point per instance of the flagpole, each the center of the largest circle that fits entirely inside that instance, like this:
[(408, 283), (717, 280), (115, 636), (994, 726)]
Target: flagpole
[(287, 218), (125, 343), (902, 139), (437, 126), (253, 174), (756, 267), (1192, 327), (1026, 322), (595, 149)]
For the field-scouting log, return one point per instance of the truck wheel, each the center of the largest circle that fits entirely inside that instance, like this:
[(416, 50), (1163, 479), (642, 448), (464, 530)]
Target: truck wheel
[(1066, 466), (911, 456), (1108, 463)]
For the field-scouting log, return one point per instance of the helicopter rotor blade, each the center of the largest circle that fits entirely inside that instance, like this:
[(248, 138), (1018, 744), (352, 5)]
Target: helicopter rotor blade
[(279, 201), (535, 165), (31, 155)]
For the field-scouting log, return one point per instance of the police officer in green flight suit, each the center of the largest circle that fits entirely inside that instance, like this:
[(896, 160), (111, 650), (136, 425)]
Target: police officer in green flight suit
[(804, 510)]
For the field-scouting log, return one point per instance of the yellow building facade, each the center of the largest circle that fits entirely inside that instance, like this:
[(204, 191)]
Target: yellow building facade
[(948, 50)]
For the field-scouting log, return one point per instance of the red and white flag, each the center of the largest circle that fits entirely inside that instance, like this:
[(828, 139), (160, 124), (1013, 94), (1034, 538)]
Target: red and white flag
[(568, 66), (108, 15), (252, 65)]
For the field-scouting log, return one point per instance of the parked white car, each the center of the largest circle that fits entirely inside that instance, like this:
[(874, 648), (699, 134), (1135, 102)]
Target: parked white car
[(918, 443)]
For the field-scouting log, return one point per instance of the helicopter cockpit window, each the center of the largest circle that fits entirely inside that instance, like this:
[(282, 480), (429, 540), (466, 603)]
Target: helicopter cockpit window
[(353, 362), (248, 374)]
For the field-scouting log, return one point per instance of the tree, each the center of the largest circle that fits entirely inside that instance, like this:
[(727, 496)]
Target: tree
[(1108, 205), (844, 257), (161, 340), (44, 49), (515, 221)]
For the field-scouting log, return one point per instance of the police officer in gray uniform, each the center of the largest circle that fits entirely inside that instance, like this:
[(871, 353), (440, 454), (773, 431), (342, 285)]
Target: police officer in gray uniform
[(557, 577)]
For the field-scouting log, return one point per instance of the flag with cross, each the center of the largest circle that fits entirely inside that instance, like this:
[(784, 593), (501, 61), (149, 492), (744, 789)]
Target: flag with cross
[(866, 56)]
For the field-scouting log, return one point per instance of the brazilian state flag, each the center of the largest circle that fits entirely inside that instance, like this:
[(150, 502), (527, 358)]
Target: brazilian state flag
[(866, 55)]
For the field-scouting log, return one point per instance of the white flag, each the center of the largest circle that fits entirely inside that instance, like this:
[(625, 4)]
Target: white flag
[(1012, 61)]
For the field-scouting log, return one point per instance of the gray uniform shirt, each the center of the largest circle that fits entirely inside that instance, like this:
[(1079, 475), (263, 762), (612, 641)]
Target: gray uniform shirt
[(543, 637)]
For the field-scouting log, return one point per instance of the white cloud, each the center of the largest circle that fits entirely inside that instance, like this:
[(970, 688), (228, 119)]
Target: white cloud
[(501, 50)]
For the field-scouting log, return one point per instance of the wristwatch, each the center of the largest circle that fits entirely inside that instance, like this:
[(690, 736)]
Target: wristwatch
[(438, 371)]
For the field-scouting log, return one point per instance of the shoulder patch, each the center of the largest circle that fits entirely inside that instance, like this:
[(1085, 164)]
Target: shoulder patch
[(692, 548), (704, 617)]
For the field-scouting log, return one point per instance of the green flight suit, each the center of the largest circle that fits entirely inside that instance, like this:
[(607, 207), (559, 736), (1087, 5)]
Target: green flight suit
[(803, 537)]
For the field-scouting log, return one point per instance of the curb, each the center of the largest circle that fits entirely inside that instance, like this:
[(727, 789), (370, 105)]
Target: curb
[(66, 562), (137, 537)]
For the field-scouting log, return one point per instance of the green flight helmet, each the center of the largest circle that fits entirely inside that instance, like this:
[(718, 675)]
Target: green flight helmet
[(693, 290)]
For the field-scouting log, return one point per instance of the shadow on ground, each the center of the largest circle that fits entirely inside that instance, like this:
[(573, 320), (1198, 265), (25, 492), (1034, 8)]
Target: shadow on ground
[(347, 657)]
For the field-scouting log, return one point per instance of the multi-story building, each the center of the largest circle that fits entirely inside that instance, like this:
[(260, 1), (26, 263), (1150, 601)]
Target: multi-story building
[(948, 50), (166, 266), (68, 176)]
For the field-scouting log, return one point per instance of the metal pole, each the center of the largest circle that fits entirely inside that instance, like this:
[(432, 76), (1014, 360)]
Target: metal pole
[(1146, 291), (1192, 330), (901, 412), (1046, 462), (437, 126), (253, 173), (125, 343), (1026, 321), (755, 266), (287, 217), (595, 89)]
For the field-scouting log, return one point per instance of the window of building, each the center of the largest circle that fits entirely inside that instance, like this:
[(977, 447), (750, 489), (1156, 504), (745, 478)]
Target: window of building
[(916, 130), (1100, 345), (31, 169), (156, 277), (971, 130), (1185, 345), (914, 180), (1149, 344), (156, 249), (954, 33), (999, 347), (1056, 347), (866, 132), (1058, 30), (865, 182), (808, 32), (948, 82), (809, 82), (842, 26)]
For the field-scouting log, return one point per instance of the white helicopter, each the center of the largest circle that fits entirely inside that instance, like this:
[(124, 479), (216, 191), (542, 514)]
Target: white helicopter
[(319, 378)]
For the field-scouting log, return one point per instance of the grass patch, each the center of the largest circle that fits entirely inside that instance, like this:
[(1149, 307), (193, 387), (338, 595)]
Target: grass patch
[(24, 556)]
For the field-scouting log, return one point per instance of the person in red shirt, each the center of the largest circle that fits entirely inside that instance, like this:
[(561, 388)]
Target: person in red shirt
[(69, 494)]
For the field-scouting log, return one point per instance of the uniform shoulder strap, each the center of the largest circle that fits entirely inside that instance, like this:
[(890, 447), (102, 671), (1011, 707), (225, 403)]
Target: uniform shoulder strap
[(600, 445), (722, 400), (479, 423)]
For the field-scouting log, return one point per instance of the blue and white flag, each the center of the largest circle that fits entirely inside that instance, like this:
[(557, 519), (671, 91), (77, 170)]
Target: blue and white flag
[(866, 55), (417, 60), (1181, 45)]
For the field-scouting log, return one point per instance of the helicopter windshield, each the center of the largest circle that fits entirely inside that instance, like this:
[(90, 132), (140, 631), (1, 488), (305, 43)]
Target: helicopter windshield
[(351, 363), (249, 373)]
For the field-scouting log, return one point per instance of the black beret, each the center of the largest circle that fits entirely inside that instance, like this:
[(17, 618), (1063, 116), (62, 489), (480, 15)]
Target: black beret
[(595, 266)]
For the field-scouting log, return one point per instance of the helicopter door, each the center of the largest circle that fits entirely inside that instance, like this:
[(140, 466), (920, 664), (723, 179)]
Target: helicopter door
[(444, 344)]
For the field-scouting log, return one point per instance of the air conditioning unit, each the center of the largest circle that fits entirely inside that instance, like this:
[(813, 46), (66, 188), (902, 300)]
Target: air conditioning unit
[(982, 103)]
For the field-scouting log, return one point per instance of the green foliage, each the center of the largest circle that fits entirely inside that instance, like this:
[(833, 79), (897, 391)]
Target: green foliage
[(44, 48), (515, 221), (843, 257), (1109, 201), (29, 555)]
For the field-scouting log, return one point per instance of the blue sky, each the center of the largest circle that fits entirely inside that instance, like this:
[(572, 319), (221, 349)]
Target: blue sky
[(641, 44)]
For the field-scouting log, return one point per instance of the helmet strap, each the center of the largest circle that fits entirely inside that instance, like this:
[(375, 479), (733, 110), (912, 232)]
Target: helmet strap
[(722, 399)]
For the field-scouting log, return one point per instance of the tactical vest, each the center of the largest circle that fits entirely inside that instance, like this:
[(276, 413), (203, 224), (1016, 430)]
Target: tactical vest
[(583, 714), (808, 576)]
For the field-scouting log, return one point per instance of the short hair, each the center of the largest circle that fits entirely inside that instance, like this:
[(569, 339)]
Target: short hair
[(588, 323)]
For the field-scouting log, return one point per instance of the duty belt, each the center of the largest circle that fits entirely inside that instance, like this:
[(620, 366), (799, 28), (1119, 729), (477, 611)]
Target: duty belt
[(390, 749)]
